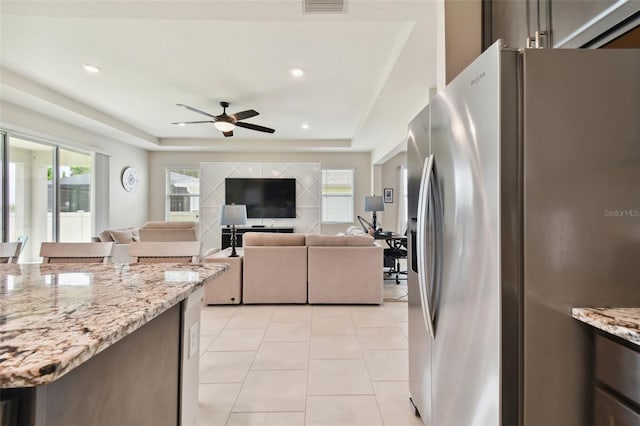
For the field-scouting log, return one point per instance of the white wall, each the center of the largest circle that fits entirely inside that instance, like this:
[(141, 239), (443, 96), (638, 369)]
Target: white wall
[(126, 209), (159, 161), (390, 178)]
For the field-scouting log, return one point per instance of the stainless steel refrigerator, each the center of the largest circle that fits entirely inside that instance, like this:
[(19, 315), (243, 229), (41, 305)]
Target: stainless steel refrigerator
[(524, 201)]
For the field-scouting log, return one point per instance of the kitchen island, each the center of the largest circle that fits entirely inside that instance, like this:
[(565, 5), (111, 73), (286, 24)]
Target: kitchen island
[(94, 344), (616, 364)]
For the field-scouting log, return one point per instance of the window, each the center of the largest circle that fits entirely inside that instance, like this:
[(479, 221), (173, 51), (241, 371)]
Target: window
[(183, 194), (337, 196)]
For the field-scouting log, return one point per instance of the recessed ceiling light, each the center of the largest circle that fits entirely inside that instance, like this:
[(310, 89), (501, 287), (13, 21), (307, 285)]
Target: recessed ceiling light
[(91, 68), (305, 126), (181, 124), (297, 72)]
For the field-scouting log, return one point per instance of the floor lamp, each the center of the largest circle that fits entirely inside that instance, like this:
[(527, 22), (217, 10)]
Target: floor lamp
[(374, 204), (232, 215)]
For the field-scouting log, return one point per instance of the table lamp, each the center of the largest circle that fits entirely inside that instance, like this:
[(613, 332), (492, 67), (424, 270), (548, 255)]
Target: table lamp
[(374, 204), (233, 214)]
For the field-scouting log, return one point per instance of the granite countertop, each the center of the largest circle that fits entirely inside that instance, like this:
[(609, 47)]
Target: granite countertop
[(621, 322), (55, 317)]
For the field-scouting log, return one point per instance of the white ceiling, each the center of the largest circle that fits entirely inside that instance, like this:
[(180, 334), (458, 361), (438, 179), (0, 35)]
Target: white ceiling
[(367, 70)]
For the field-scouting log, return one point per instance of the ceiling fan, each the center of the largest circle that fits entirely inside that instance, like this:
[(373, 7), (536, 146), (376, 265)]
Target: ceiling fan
[(226, 123)]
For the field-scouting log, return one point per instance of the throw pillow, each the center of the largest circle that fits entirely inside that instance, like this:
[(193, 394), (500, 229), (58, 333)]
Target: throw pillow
[(354, 230), (122, 237), (105, 237)]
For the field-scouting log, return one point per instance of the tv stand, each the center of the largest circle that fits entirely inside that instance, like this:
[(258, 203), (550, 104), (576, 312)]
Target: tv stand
[(226, 233)]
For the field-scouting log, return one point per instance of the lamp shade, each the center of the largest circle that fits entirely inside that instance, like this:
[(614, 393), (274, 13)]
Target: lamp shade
[(233, 214), (373, 203)]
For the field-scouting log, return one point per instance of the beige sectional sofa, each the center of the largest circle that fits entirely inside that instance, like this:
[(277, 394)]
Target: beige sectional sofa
[(294, 268), (150, 231)]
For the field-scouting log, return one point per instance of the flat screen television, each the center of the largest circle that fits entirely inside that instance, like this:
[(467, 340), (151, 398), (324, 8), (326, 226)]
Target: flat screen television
[(264, 198)]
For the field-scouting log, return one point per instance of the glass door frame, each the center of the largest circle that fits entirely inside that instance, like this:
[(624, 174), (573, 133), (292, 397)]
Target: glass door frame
[(4, 188), (5, 136)]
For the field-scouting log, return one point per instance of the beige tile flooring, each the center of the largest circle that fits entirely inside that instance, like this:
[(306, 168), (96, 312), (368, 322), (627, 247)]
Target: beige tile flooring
[(287, 365)]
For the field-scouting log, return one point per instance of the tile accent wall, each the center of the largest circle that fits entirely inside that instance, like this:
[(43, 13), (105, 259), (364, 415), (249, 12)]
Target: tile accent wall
[(308, 195)]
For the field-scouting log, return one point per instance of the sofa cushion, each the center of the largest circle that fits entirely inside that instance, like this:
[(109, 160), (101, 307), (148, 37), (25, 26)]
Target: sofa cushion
[(340, 240), (272, 239)]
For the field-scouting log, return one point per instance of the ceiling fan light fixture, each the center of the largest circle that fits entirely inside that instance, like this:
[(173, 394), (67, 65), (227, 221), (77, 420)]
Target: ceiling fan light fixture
[(224, 126), (227, 123)]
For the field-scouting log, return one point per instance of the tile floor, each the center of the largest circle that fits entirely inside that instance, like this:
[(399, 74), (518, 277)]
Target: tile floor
[(288, 365)]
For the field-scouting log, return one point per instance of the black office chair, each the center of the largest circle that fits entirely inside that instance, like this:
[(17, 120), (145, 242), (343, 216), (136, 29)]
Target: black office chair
[(397, 250)]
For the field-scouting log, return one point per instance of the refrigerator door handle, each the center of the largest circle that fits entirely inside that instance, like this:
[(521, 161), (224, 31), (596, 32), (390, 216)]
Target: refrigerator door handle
[(421, 244), (438, 243)]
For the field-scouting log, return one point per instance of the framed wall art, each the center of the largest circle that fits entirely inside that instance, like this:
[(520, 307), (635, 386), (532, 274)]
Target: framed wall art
[(388, 195)]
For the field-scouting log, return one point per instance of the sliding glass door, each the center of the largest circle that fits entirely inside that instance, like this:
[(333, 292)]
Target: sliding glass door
[(46, 194), (4, 208), (31, 194)]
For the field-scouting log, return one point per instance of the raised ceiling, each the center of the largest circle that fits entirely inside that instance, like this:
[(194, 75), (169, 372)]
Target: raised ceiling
[(367, 70)]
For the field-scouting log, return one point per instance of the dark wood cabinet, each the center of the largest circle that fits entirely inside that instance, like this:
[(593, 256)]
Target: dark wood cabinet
[(617, 390), (566, 24), (226, 234), (611, 411)]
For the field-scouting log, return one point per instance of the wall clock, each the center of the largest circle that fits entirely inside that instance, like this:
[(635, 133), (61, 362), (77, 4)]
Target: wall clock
[(129, 179)]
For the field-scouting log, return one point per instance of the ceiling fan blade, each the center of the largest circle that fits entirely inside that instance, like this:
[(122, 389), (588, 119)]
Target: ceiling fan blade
[(243, 115), (196, 110), (255, 127), (227, 134), (193, 122)]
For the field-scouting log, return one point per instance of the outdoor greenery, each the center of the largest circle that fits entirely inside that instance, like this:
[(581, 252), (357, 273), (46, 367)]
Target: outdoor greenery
[(79, 170), (73, 171)]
